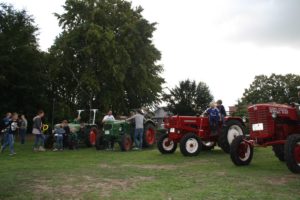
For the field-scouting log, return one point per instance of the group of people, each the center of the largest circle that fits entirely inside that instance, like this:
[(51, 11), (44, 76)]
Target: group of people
[(216, 113), (12, 124)]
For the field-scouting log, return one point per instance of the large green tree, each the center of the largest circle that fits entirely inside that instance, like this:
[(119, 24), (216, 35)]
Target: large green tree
[(188, 98), (274, 88), (21, 63), (105, 57)]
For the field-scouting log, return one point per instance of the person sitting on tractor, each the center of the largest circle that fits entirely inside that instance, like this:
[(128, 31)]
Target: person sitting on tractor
[(221, 110), (109, 117), (214, 117)]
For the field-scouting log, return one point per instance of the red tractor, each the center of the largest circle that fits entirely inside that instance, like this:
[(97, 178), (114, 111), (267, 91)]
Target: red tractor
[(273, 125), (194, 134)]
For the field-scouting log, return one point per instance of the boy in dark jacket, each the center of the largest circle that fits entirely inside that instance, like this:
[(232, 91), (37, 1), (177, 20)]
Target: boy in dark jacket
[(221, 110), (214, 117)]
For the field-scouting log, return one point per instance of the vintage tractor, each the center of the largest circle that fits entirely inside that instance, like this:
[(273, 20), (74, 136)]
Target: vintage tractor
[(194, 134), (273, 125), (122, 132), (83, 134)]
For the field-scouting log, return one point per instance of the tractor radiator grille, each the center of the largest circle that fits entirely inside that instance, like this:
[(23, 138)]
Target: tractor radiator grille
[(107, 126), (261, 116)]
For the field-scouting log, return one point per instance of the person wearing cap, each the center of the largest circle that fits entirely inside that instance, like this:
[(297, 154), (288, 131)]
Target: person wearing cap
[(139, 129), (221, 110)]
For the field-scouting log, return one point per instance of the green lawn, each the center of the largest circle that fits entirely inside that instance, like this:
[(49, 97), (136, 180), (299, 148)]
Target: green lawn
[(91, 174)]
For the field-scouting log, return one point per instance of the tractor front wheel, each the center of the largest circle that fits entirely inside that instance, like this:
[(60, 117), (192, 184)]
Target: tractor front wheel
[(292, 153), (126, 143), (190, 145), (230, 130), (241, 152), (279, 151), (149, 135), (166, 146)]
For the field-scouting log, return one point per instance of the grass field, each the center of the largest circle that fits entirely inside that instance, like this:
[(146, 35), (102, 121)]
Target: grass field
[(90, 174)]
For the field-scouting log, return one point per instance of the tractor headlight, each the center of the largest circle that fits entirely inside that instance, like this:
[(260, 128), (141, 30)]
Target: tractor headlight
[(244, 119), (274, 115)]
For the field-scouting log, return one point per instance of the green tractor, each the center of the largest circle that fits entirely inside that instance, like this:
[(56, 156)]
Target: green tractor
[(122, 132), (80, 134)]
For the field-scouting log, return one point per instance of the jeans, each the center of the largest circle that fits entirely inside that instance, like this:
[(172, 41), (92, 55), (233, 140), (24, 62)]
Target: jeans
[(9, 140), (22, 133), (138, 137), (59, 142), (213, 124), (39, 139)]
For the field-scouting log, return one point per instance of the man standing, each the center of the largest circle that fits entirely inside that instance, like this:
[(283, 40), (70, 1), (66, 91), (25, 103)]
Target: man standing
[(4, 127), (108, 117), (37, 131), (139, 129), (23, 129)]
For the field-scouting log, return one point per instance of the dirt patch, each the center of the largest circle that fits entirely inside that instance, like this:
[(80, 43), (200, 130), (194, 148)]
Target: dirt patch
[(283, 180), (158, 167), (74, 187)]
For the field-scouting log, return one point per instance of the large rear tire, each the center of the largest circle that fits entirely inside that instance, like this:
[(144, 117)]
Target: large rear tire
[(230, 130), (190, 145), (149, 135), (292, 153), (166, 146), (241, 152), (279, 151), (126, 143), (99, 141)]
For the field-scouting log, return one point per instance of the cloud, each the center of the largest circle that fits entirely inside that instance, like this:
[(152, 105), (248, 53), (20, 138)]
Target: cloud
[(264, 22)]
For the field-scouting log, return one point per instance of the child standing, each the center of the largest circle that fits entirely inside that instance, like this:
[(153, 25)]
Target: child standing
[(59, 134), (221, 110), (12, 129), (214, 117)]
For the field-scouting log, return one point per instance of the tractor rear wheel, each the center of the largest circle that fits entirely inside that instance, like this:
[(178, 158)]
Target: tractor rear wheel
[(149, 135), (279, 151), (292, 153), (90, 136), (241, 152), (230, 130), (190, 145), (126, 143), (166, 146), (207, 146)]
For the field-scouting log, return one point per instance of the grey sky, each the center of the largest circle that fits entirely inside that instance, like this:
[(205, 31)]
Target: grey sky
[(224, 43)]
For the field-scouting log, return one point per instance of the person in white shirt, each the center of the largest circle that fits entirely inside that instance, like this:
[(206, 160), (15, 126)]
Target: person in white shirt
[(108, 117)]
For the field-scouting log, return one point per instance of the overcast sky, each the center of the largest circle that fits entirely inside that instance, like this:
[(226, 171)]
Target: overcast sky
[(223, 43)]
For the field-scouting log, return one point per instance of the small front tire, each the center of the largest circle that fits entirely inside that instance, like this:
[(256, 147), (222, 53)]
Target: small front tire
[(190, 145), (241, 152), (166, 146), (292, 153)]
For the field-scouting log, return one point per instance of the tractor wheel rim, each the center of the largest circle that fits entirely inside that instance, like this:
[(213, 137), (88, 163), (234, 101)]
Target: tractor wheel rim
[(244, 151), (92, 137), (167, 144), (233, 132), (297, 153), (208, 144), (150, 136), (191, 145)]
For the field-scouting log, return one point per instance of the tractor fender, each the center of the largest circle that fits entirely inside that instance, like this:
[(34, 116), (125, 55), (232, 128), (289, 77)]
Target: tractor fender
[(236, 119), (150, 121)]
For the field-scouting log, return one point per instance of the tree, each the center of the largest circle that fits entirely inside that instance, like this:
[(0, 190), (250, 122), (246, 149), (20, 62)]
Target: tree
[(273, 88), (21, 71), (105, 57), (189, 98)]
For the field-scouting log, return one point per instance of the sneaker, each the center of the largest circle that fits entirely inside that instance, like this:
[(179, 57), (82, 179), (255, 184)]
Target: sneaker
[(35, 149), (11, 154), (61, 149), (135, 148), (42, 148), (55, 149)]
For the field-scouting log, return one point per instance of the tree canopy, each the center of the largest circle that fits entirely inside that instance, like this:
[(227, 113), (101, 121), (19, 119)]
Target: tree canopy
[(22, 81), (188, 98), (105, 57)]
